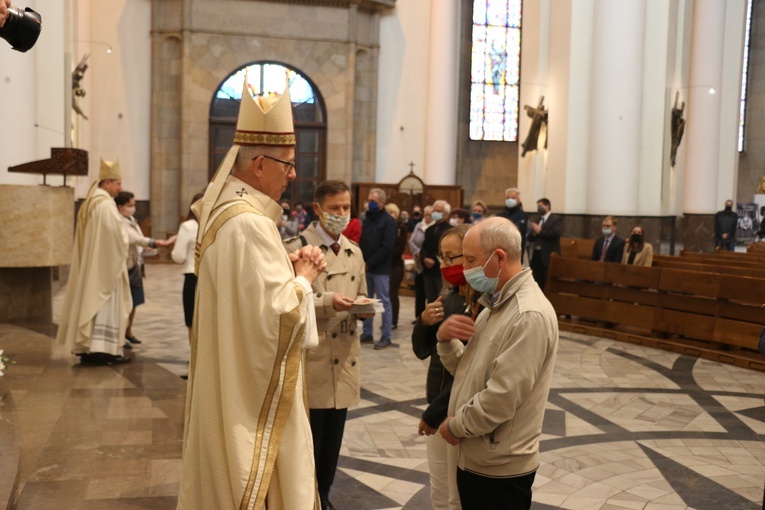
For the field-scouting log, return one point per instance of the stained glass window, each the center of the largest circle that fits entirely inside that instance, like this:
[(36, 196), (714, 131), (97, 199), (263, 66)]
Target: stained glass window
[(495, 70), (744, 77), (266, 79)]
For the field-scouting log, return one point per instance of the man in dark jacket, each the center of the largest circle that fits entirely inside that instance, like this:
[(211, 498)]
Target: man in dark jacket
[(545, 238), (610, 247), (514, 212), (725, 227), (378, 237), (429, 253)]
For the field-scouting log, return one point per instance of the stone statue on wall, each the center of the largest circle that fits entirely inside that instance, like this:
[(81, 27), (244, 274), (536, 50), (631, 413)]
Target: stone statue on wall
[(761, 186), (77, 91), (539, 118), (678, 127)]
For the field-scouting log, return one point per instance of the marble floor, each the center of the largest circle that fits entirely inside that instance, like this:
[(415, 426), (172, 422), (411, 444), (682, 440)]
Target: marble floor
[(626, 427)]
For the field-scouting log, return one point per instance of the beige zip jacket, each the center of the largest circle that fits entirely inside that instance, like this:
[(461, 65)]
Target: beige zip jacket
[(502, 380)]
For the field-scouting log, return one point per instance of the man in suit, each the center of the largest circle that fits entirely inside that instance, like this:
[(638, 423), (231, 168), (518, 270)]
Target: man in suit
[(332, 367), (544, 239), (726, 222), (430, 251), (614, 245)]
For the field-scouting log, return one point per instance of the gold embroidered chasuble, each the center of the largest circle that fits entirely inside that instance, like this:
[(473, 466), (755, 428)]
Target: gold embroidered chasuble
[(248, 441), (97, 277)]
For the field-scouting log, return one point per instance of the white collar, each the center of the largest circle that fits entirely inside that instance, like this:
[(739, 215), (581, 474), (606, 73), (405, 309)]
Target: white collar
[(327, 239)]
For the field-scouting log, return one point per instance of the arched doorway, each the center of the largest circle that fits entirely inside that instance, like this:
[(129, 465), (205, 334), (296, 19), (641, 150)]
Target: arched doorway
[(308, 112)]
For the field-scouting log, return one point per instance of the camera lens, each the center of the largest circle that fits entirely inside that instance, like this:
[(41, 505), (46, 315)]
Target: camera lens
[(21, 28)]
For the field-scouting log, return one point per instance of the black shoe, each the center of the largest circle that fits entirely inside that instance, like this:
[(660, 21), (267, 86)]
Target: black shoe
[(132, 339), (185, 377), (383, 343), (103, 359), (367, 339), (127, 346), (119, 360), (394, 326)]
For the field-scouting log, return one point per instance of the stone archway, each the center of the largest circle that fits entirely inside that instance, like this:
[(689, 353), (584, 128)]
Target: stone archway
[(309, 114), (193, 53)]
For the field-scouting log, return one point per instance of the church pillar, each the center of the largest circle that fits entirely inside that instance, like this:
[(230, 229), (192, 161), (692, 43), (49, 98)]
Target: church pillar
[(441, 109), (703, 127), (616, 107)]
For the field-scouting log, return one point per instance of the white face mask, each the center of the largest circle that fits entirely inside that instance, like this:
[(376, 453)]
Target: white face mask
[(129, 211), (453, 222), (333, 223)]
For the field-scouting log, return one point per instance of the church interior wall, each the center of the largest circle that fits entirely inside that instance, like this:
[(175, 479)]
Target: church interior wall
[(565, 182), (535, 83), (217, 38), (751, 162), (372, 80), (730, 78), (484, 168), (18, 141), (402, 88)]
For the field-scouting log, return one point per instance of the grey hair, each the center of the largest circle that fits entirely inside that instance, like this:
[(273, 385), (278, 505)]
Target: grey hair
[(447, 207), (427, 209), (249, 152), (513, 190), (499, 233), (381, 196)]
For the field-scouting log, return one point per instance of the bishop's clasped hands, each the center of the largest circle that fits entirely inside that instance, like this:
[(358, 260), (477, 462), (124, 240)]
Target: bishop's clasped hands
[(308, 262)]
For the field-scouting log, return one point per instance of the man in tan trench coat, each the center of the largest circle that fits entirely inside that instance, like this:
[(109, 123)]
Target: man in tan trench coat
[(333, 366)]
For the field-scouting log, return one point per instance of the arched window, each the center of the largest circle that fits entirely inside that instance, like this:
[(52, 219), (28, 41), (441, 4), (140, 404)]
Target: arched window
[(307, 110), (495, 70)]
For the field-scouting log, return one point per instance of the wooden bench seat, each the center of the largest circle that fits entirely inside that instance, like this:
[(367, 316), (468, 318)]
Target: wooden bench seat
[(697, 312)]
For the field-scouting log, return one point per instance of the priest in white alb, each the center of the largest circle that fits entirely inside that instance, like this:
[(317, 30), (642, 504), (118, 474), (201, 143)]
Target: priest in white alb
[(247, 441), (97, 303)]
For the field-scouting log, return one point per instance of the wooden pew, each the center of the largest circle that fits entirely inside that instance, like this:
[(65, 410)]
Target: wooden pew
[(700, 313), (576, 248)]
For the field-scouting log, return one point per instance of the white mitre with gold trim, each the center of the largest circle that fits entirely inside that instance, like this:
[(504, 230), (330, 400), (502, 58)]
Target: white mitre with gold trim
[(265, 120), (109, 170), (262, 121)]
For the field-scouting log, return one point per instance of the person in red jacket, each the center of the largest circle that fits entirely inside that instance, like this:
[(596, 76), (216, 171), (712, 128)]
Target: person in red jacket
[(353, 230)]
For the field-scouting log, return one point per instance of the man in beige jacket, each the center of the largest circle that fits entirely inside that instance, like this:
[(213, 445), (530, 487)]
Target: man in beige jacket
[(502, 377), (333, 366)]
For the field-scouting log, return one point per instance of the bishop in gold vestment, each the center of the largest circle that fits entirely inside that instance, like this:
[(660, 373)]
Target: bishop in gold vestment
[(98, 302), (248, 441)]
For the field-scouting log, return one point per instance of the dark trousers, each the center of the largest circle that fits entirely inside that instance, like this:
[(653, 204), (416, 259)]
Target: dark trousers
[(726, 244), (396, 277), (434, 284), (189, 289), (419, 294), (486, 493), (327, 426), (538, 269)]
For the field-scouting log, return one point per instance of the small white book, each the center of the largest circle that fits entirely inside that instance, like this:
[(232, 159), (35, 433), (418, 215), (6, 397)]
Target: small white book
[(366, 305)]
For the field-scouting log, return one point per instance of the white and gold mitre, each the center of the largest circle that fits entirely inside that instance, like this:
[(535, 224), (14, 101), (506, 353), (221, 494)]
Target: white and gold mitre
[(109, 170), (265, 120)]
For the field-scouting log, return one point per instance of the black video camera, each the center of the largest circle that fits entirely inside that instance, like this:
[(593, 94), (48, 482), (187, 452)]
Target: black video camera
[(21, 28)]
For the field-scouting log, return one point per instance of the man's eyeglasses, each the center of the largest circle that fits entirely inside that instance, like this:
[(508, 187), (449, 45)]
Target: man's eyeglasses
[(290, 164), (442, 258)]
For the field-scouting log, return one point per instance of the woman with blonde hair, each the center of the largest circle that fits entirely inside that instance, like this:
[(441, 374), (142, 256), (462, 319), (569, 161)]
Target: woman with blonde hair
[(479, 211)]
